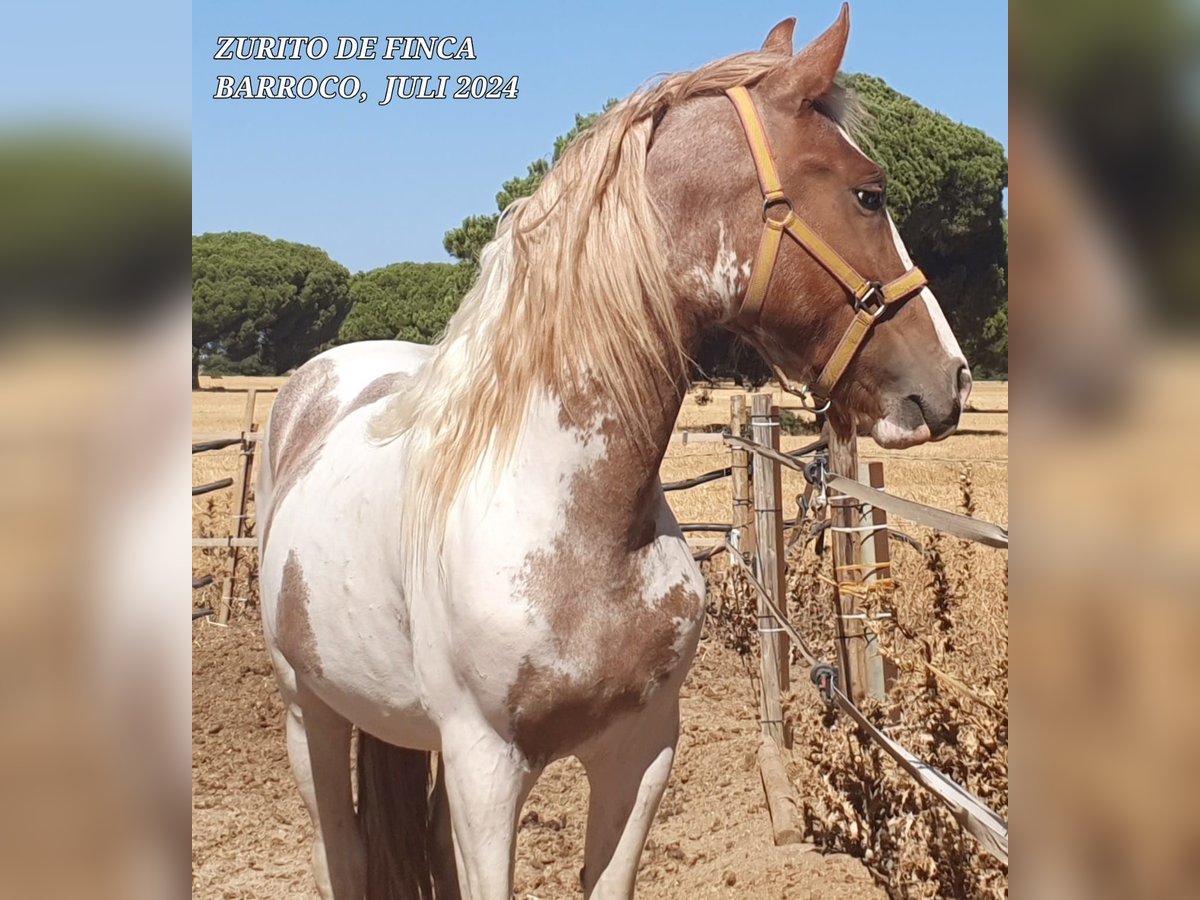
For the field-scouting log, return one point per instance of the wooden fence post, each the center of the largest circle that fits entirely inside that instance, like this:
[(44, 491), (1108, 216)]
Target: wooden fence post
[(767, 549), (743, 515), (847, 567), (768, 526), (241, 496), (877, 560)]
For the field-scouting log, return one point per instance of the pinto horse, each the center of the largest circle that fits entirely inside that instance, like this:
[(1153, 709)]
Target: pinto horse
[(466, 549)]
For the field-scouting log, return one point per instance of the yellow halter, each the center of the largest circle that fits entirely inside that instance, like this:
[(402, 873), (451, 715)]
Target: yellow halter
[(871, 298)]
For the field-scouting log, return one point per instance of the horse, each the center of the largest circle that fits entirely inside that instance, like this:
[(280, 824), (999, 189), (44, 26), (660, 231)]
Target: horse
[(465, 548)]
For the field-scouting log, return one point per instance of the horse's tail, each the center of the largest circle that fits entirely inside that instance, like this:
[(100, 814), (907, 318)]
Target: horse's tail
[(393, 811)]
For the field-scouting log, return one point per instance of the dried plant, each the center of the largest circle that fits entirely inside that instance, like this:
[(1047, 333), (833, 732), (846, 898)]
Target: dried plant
[(948, 704)]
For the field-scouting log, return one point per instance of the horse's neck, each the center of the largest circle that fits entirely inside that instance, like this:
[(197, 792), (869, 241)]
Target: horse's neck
[(614, 471)]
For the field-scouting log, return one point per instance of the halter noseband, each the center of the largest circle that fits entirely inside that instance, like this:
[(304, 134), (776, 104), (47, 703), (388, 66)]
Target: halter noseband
[(871, 298)]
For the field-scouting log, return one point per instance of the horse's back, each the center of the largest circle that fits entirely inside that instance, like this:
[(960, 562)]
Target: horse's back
[(330, 386), (319, 395)]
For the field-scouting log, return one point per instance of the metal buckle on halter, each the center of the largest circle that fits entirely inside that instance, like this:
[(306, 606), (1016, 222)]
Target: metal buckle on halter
[(825, 677), (816, 470), (874, 295), (816, 473), (768, 202)]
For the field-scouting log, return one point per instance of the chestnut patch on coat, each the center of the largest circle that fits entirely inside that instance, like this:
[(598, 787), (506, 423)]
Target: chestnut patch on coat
[(552, 712), (383, 386), (301, 410), (303, 414), (295, 638), (590, 586)]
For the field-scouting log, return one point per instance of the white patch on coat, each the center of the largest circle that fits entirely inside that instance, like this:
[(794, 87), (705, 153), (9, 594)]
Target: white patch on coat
[(940, 326), (891, 436), (661, 569), (726, 279), (849, 140), (529, 498)]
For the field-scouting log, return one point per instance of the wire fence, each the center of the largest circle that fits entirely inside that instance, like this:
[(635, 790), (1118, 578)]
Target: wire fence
[(972, 814)]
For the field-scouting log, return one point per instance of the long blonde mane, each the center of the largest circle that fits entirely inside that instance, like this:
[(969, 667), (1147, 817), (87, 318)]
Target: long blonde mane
[(574, 286)]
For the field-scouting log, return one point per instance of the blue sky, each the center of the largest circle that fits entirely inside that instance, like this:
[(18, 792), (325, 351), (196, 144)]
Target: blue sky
[(119, 67), (374, 185)]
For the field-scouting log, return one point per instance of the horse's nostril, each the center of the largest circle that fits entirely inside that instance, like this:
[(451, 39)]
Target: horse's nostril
[(964, 383), (941, 420)]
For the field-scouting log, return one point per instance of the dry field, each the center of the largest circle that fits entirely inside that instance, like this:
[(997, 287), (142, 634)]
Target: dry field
[(870, 828)]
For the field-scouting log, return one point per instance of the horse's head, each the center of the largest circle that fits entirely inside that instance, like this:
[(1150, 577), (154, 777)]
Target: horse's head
[(868, 335)]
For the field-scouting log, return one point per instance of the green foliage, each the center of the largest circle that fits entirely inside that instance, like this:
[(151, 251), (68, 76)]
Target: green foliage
[(219, 364), (404, 301), (259, 299), (582, 124), (466, 242), (792, 424), (722, 356), (995, 332), (516, 188), (945, 192), (88, 226)]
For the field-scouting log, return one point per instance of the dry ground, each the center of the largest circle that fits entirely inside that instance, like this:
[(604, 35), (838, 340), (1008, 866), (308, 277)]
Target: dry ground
[(712, 834)]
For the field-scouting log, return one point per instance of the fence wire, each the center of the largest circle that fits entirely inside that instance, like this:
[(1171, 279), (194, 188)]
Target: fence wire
[(974, 816)]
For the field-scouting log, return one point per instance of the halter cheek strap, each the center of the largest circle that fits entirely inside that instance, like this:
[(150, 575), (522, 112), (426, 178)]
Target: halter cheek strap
[(870, 298)]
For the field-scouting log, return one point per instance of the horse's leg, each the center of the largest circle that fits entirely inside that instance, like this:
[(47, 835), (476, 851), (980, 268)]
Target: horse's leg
[(318, 743), (627, 773), (487, 782), (441, 844)]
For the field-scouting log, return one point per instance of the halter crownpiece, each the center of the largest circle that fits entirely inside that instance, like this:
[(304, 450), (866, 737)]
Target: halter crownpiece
[(870, 298)]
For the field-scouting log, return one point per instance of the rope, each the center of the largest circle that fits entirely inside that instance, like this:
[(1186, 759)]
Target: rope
[(199, 489), (205, 446), (960, 526), (973, 815), (765, 595), (683, 485), (840, 529), (716, 474)]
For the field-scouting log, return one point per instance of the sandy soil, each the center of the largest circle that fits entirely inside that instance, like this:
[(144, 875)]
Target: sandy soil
[(712, 837)]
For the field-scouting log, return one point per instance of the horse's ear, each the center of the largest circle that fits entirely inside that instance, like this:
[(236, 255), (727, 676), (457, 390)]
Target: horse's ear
[(810, 73), (780, 39)]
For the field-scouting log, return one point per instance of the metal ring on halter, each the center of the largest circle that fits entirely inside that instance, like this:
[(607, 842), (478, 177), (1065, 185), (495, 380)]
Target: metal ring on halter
[(807, 397), (802, 393), (873, 293), (768, 202), (824, 407)]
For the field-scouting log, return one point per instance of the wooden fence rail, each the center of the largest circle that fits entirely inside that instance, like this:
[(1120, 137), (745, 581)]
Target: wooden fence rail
[(247, 440), (198, 489)]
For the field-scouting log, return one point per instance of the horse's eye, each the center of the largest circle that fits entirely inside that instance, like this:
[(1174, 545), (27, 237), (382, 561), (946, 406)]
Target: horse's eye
[(869, 199)]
